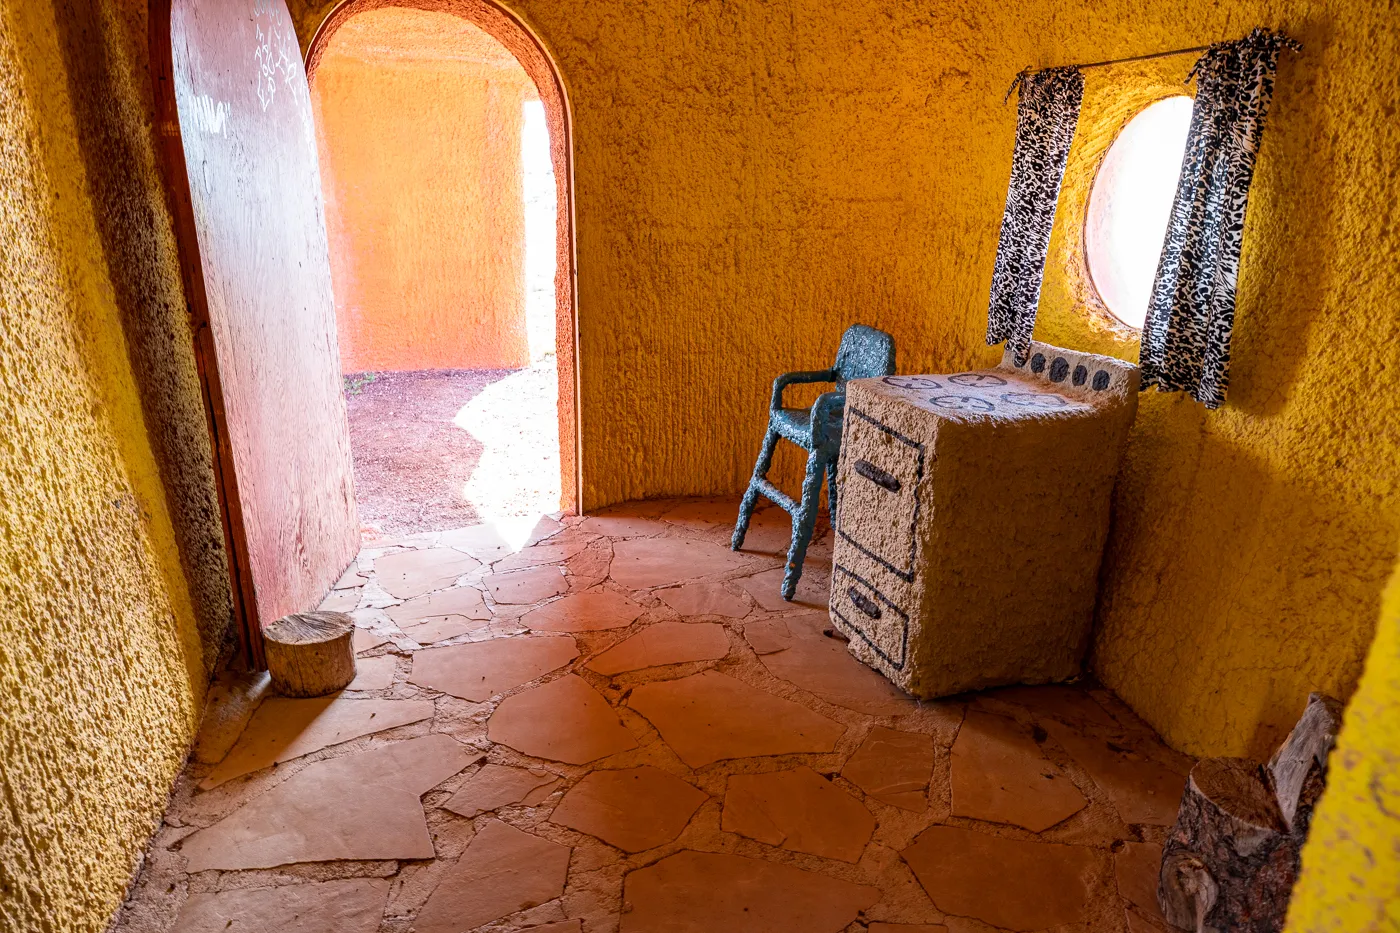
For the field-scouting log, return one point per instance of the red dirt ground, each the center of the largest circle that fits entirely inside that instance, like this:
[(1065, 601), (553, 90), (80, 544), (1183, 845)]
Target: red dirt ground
[(414, 465)]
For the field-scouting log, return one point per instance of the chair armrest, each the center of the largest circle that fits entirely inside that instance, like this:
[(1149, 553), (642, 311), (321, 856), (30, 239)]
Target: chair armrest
[(787, 379), (827, 414)]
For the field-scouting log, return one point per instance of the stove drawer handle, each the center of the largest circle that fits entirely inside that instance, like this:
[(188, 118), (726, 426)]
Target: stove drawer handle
[(878, 476), (864, 603)]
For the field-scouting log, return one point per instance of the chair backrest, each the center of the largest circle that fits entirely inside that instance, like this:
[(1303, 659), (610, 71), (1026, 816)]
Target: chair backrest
[(865, 352)]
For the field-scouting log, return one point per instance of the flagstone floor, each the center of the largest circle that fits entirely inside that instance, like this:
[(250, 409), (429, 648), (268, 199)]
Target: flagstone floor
[(615, 724)]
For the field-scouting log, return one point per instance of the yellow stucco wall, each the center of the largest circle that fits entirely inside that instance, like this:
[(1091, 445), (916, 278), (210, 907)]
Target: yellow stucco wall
[(103, 594), (1351, 866), (751, 178)]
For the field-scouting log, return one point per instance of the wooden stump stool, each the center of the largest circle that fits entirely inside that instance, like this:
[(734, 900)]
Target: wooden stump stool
[(1231, 858), (310, 654)]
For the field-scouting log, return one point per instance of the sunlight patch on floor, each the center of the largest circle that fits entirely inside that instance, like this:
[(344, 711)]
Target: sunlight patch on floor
[(518, 474)]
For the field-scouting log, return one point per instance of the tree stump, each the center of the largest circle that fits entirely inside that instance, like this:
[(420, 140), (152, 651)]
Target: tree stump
[(1232, 857), (310, 654)]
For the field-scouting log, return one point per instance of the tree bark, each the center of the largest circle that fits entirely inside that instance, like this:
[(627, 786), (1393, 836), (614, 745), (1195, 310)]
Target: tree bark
[(310, 654), (1232, 857)]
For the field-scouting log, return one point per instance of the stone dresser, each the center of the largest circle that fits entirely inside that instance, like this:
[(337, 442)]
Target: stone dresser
[(972, 516)]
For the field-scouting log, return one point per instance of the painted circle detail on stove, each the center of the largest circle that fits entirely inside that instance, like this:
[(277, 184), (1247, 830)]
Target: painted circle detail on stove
[(977, 380)]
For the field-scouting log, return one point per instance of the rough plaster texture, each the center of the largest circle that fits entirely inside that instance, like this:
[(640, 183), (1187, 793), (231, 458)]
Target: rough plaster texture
[(752, 178), (1350, 882), (107, 573), (972, 519), (418, 121)]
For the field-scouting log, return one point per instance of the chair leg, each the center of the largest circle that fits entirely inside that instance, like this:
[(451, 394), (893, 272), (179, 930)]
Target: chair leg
[(760, 471), (803, 523)]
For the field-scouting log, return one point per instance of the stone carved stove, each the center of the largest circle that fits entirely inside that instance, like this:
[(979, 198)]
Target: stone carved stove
[(972, 516)]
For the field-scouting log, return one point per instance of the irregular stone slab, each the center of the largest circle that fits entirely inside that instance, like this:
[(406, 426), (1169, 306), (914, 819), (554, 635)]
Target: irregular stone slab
[(539, 554), (523, 587), (634, 809), (1137, 923), (893, 767), (705, 599), (283, 729), (374, 673), (589, 567), (340, 601), (770, 532), (583, 612), (798, 810), (824, 666), (503, 871), (664, 643), (710, 716), (480, 670), (1004, 882), (412, 573), (563, 720), (351, 578), (813, 589), (232, 699), (365, 640), (459, 603), (703, 514), (486, 542), (351, 906), (1136, 867), (361, 806), (623, 525), (906, 928), (496, 786), (639, 562), (562, 926), (767, 636), (1142, 790), (704, 892), (431, 632), (1072, 705), (999, 775), (495, 540)]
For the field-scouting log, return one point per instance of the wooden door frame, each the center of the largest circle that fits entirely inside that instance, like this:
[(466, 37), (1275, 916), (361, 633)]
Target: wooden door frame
[(529, 50), (171, 148)]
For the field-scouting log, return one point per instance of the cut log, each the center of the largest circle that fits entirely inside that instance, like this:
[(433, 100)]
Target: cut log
[(1232, 856), (310, 654), (1305, 751)]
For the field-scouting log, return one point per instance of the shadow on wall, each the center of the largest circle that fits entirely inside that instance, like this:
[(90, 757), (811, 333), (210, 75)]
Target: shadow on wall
[(125, 187), (1219, 607)]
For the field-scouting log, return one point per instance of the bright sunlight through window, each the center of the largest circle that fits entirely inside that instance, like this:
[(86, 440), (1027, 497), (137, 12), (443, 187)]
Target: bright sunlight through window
[(1130, 205)]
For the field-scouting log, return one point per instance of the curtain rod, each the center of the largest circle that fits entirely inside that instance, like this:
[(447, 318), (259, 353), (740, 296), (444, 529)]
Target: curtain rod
[(1290, 43)]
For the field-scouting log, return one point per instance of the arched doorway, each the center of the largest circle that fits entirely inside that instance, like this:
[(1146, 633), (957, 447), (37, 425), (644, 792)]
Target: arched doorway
[(342, 29)]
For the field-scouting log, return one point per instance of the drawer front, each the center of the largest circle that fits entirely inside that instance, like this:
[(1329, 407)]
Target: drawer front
[(871, 616), (878, 496)]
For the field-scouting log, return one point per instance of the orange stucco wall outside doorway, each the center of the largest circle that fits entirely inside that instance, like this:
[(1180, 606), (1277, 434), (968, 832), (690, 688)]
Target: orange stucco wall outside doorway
[(419, 120)]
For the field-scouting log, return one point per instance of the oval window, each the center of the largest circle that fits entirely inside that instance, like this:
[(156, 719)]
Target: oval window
[(1130, 204)]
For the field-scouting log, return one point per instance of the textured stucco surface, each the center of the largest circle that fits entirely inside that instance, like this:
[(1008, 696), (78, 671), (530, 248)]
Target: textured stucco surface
[(418, 120), (751, 178), (1350, 881), (107, 569)]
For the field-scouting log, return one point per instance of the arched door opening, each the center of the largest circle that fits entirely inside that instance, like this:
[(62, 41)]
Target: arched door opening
[(445, 179)]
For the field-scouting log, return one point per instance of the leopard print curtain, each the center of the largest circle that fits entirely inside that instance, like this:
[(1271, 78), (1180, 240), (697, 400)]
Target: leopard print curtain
[(1046, 117), (1186, 337)]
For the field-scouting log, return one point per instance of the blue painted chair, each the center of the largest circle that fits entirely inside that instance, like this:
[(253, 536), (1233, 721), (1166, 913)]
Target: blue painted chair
[(864, 352)]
